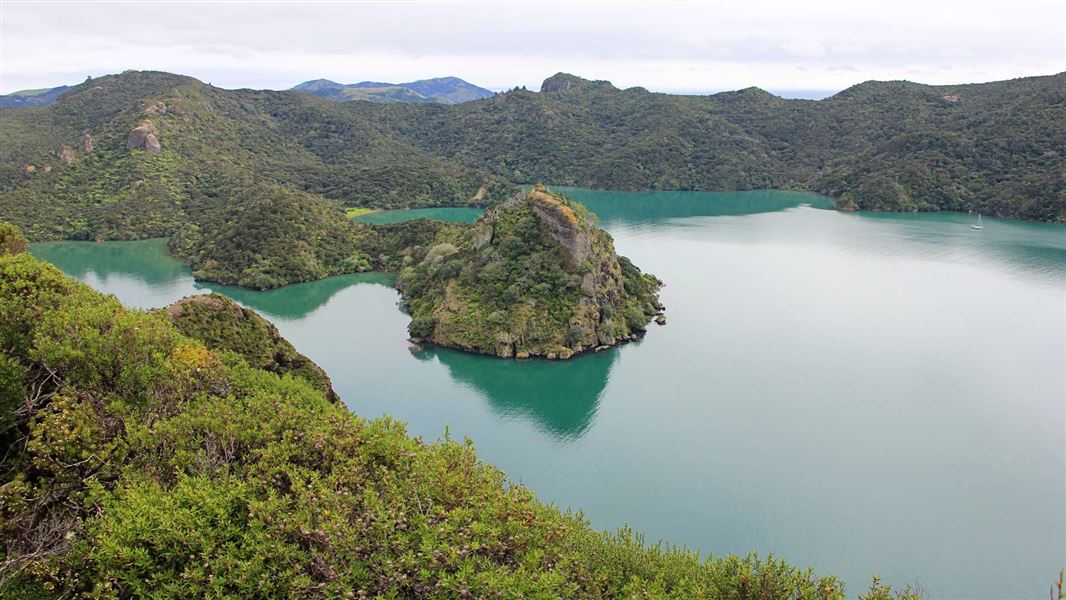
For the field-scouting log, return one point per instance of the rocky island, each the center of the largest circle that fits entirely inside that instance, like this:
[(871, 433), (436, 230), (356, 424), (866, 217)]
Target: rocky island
[(534, 277)]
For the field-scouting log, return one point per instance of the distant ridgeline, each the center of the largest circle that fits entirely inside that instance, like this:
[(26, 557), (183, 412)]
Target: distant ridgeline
[(443, 90)]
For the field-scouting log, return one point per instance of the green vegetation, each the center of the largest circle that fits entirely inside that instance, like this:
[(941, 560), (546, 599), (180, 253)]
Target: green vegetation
[(272, 236), (223, 325), (11, 239), (533, 277), (73, 170), (354, 211), (139, 463), (998, 148), (208, 148), (269, 237)]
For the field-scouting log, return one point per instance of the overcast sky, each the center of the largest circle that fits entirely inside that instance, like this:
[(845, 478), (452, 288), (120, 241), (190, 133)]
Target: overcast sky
[(663, 46)]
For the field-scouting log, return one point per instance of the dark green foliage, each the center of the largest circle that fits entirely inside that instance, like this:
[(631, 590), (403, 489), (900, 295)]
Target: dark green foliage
[(145, 465), (998, 148), (271, 236), (215, 145), (268, 237), (223, 325)]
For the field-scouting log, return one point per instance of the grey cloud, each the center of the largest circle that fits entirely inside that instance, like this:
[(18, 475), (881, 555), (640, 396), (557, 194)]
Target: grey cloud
[(503, 43)]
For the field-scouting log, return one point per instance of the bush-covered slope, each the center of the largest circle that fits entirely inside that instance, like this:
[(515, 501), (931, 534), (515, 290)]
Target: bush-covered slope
[(533, 277), (271, 236), (998, 148), (222, 324), (139, 154), (138, 463)]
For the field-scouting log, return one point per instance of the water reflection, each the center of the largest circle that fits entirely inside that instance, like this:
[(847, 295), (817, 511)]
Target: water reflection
[(146, 260), (301, 299), (560, 397), (649, 207), (144, 275)]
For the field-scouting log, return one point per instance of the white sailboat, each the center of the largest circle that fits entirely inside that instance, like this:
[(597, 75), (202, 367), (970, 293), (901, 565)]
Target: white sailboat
[(980, 223)]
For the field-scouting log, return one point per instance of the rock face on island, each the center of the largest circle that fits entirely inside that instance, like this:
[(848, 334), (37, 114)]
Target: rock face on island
[(533, 277), (222, 324)]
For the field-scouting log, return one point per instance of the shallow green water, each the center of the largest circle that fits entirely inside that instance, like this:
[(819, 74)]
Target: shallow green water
[(861, 393), (461, 215)]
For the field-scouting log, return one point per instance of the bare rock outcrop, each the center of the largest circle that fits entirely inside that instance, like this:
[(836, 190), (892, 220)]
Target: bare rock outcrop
[(66, 155), (144, 136), (562, 224), (87, 143)]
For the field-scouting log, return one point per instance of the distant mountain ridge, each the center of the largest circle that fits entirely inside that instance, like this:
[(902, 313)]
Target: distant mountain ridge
[(32, 98), (440, 90)]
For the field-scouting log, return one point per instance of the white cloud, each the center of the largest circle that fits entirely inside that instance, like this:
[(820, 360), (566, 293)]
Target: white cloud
[(669, 46)]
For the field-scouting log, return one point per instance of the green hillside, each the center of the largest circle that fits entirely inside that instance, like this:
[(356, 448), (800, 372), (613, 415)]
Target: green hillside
[(142, 153), (997, 148)]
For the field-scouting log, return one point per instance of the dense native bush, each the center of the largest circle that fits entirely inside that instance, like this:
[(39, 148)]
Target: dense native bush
[(996, 148)]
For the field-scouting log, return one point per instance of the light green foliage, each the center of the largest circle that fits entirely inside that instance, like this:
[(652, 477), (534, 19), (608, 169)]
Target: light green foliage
[(150, 466)]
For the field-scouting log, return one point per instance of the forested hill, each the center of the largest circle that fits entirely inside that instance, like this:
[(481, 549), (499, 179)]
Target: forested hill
[(998, 148), (141, 153)]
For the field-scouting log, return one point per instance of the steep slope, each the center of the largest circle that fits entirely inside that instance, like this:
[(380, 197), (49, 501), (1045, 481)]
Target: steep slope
[(145, 154), (533, 277)]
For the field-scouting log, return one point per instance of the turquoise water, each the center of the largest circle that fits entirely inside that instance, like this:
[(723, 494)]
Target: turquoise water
[(861, 393), (461, 215)]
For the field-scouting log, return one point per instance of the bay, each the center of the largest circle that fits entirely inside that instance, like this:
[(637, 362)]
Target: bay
[(862, 393)]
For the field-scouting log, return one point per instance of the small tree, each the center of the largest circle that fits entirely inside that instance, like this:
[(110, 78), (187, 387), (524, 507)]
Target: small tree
[(11, 239)]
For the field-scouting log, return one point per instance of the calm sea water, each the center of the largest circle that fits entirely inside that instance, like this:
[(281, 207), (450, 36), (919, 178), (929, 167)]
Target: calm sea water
[(860, 393)]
